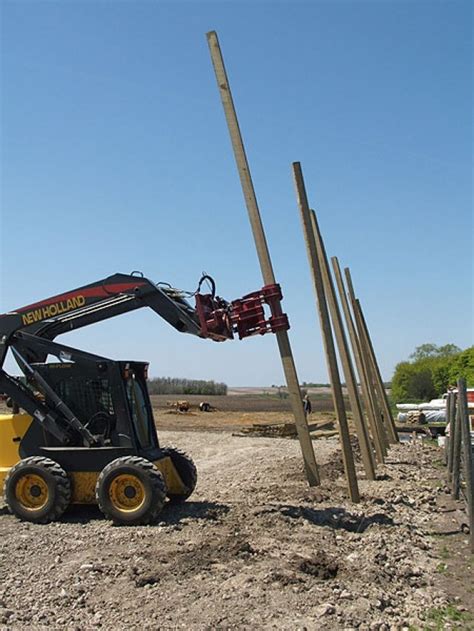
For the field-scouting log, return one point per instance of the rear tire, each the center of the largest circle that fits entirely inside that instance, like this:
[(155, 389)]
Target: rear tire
[(187, 472), (131, 491), (37, 489)]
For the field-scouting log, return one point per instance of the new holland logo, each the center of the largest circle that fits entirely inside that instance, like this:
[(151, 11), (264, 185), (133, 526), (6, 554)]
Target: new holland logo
[(50, 311)]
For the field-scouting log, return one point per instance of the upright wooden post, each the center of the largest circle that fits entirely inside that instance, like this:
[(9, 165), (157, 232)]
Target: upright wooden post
[(328, 341), (465, 423), (356, 349), (389, 422), (344, 355), (452, 433), (456, 452), (243, 168)]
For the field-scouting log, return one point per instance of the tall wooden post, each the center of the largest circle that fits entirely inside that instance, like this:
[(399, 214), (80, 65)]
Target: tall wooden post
[(465, 429), (328, 341), (243, 168), (456, 437), (389, 422), (452, 430), (344, 355), (364, 382), (367, 367)]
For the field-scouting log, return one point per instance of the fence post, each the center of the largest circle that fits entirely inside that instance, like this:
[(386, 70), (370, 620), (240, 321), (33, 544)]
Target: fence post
[(379, 426), (456, 451), (388, 418), (465, 423), (344, 355), (330, 351), (452, 423), (357, 351)]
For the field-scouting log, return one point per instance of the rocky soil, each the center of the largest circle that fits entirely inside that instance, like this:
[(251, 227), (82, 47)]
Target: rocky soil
[(254, 547)]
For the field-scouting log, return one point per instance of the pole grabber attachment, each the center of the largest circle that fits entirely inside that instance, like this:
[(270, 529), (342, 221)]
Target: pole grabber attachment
[(246, 316)]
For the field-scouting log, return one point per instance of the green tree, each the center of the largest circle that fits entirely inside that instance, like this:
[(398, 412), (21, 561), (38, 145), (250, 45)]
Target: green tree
[(462, 365), (431, 370), (424, 351)]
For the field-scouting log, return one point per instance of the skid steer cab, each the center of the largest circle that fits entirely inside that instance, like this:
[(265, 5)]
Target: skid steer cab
[(88, 435), (124, 470)]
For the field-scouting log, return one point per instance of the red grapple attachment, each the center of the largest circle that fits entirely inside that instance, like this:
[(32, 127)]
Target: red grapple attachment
[(248, 314), (213, 313)]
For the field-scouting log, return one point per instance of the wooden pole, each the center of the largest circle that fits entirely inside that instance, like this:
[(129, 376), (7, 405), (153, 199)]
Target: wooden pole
[(328, 341), (389, 422), (452, 422), (467, 456), (378, 398), (283, 340), (363, 379), (344, 355), (456, 452), (367, 366), (446, 442)]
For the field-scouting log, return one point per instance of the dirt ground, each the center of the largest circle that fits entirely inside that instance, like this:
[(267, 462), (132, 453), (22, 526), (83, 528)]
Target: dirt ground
[(254, 547)]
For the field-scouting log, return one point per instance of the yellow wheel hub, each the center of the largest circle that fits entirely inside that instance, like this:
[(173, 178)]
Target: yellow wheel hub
[(32, 491), (127, 492)]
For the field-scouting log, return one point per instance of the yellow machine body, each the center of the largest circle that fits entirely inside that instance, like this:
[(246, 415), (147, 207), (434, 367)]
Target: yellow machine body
[(14, 426)]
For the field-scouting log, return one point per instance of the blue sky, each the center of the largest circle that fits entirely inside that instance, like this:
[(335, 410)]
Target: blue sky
[(115, 156)]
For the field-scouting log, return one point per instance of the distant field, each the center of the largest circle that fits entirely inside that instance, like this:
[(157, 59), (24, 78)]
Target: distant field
[(244, 401), (232, 412)]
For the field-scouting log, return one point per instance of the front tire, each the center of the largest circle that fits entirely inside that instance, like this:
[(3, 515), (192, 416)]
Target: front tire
[(37, 489), (131, 491), (187, 472)]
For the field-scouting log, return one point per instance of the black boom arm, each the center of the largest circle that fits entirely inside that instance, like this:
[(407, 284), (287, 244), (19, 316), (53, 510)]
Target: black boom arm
[(93, 303)]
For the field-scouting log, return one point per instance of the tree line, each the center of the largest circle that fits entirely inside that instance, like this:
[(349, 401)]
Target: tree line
[(175, 385), (430, 370)]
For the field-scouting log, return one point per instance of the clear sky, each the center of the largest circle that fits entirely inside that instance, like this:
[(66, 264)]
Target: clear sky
[(115, 156)]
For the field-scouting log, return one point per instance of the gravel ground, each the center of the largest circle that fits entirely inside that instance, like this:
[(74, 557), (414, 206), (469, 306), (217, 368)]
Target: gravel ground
[(254, 547)]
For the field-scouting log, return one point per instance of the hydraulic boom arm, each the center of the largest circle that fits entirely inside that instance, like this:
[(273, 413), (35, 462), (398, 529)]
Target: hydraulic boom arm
[(30, 331)]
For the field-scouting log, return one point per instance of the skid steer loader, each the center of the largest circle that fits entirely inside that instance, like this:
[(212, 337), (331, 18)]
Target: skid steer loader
[(82, 428)]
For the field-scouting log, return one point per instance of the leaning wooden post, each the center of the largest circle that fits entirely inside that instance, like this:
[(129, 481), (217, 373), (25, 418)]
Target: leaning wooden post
[(389, 423), (378, 387), (344, 355), (380, 429), (328, 341), (465, 428), (358, 359), (243, 168)]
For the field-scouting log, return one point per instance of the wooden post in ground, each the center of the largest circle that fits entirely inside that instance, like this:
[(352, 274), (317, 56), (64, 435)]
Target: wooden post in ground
[(468, 472), (344, 355), (328, 341), (389, 422), (283, 340), (378, 397), (380, 429), (365, 386), (446, 441), (456, 452), (452, 423)]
